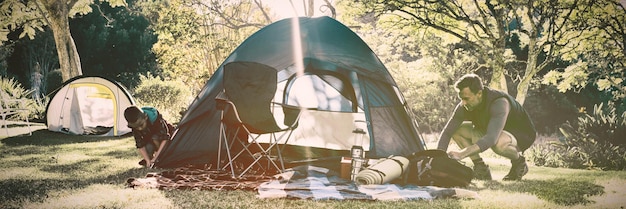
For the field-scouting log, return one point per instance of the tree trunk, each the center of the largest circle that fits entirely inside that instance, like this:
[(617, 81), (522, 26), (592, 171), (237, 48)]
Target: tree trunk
[(497, 63), (69, 60), (531, 70), (498, 81), (522, 90), (310, 8)]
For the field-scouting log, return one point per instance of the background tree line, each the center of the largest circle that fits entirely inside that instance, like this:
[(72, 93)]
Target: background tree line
[(559, 58)]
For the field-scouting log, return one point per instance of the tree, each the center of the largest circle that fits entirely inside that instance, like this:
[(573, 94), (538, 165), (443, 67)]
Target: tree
[(32, 16), (5, 51), (195, 36), (38, 57), (115, 42), (600, 55), (482, 27), (543, 27), (406, 55)]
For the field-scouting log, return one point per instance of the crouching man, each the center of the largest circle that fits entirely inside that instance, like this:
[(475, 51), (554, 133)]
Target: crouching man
[(487, 118), (150, 130)]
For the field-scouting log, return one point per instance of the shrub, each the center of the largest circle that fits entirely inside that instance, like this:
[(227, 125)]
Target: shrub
[(558, 155), (38, 110), (11, 90), (169, 97), (549, 108), (595, 142)]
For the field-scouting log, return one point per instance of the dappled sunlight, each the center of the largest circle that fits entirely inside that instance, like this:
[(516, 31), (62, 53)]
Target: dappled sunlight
[(50, 168), (99, 147), (104, 196), (43, 138), (544, 173), (493, 199), (30, 159), (614, 197), (64, 157), (297, 49), (27, 173), (560, 191)]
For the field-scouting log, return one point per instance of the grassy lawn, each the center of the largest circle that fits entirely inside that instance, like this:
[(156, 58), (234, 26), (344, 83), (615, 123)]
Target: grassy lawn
[(54, 170)]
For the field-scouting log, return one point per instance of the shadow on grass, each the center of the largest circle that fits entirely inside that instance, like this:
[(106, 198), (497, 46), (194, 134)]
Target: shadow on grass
[(15, 125), (18, 190), (46, 137), (560, 191), (82, 165), (121, 153), (15, 192)]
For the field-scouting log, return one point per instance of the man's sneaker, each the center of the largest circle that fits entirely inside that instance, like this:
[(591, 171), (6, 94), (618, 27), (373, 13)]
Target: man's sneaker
[(518, 169), (481, 172)]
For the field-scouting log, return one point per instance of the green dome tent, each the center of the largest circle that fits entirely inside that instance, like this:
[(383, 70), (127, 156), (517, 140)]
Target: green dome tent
[(342, 80)]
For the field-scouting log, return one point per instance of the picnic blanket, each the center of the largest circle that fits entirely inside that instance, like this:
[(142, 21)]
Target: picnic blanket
[(316, 183), (302, 182)]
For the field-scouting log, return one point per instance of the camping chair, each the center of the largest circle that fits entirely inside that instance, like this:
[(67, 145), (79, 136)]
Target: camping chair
[(246, 105), (10, 107)]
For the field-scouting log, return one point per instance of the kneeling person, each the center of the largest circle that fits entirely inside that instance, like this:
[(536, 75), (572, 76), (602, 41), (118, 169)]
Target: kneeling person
[(150, 130), (487, 118)]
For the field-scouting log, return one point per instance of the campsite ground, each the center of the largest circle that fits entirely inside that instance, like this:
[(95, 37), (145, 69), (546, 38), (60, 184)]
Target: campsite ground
[(54, 170)]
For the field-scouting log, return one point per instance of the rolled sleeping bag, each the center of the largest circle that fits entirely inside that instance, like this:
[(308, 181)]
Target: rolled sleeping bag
[(384, 171)]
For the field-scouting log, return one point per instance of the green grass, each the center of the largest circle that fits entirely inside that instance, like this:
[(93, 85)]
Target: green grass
[(54, 170)]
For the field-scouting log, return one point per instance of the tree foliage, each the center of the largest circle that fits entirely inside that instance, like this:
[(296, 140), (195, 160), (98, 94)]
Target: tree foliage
[(115, 42), (419, 63), (427, 52), (481, 26), (169, 97), (33, 16), (546, 31), (599, 56), (37, 58), (195, 36)]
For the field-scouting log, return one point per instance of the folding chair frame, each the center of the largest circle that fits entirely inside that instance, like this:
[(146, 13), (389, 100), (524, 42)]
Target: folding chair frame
[(7, 110), (226, 105)]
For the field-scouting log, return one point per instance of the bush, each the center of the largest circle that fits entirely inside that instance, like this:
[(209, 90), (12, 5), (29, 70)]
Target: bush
[(549, 108), (169, 97), (11, 89), (595, 142)]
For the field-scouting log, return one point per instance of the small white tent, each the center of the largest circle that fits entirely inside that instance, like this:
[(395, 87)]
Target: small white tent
[(88, 105)]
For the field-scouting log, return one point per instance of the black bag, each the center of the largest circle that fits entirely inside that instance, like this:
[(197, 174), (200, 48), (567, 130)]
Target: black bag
[(435, 168)]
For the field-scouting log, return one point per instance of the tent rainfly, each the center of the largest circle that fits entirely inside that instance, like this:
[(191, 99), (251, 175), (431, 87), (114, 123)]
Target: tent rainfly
[(323, 66), (89, 105)]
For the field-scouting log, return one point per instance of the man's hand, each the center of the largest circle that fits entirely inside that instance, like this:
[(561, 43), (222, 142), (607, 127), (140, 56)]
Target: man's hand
[(466, 152), (455, 155)]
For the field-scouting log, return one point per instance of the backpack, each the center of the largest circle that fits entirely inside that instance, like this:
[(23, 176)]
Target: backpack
[(435, 168)]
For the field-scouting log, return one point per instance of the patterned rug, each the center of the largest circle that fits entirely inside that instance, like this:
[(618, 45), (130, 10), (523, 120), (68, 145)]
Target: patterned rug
[(193, 178)]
